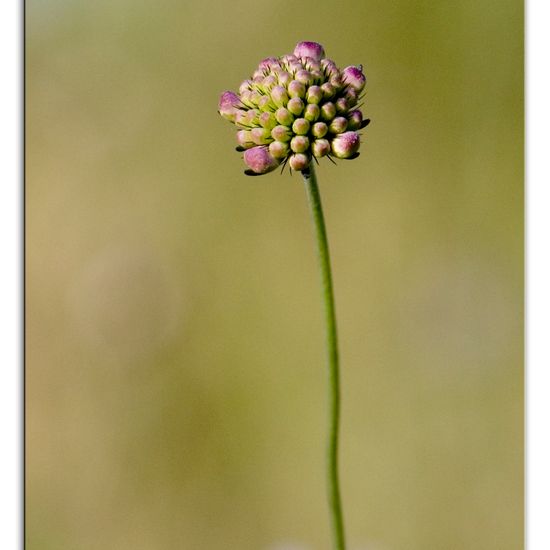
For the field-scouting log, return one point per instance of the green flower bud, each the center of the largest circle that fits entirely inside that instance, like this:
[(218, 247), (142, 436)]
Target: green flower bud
[(299, 162), (328, 90), (345, 145), (279, 96), (328, 111), (241, 119), (267, 120), (261, 136), (311, 64), (312, 112), (352, 95), (254, 97), (320, 147), (279, 149), (265, 103), (301, 127), (259, 160), (314, 94), (281, 133), (253, 117), (318, 77), (355, 118), (342, 105), (244, 138), (295, 106), (296, 89), (268, 82), (284, 116), (305, 77), (284, 78), (338, 125), (299, 144), (336, 81), (319, 129)]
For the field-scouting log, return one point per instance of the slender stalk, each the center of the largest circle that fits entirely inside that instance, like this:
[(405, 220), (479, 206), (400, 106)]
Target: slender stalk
[(335, 505)]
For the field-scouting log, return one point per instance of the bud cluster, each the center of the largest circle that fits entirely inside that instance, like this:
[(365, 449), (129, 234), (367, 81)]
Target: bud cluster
[(295, 108)]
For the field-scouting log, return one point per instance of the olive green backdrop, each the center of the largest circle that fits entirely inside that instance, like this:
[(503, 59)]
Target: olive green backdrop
[(175, 364)]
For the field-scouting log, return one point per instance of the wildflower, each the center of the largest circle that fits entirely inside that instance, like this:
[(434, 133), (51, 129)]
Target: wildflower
[(296, 108)]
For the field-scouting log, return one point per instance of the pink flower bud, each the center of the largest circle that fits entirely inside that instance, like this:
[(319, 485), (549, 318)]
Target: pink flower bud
[(259, 160), (309, 49), (345, 145), (353, 76)]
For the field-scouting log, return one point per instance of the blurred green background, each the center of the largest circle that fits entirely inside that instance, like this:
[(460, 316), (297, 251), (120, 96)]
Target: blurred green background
[(175, 358)]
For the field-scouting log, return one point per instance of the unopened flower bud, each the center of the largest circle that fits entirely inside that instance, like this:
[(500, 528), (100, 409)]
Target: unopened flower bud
[(314, 94), (353, 76), (279, 96), (279, 149), (299, 144), (296, 89), (304, 77), (299, 162), (259, 160), (309, 49), (301, 127), (258, 75), (295, 106), (253, 117), (261, 136), (338, 125), (328, 111), (281, 133), (266, 104), (241, 118), (284, 78), (328, 90), (312, 64), (320, 148), (284, 116), (345, 145), (342, 105), (318, 77), (319, 129), (245, 86), (352, 95), (255, 97), (228, 105), (268, 63), (268, 82), (244, 138), (312, 112), (355, 118), (336, 81), (267, 120), (329, 67)]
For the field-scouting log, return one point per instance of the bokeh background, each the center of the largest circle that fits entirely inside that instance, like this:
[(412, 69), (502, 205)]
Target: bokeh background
[(175, 364)]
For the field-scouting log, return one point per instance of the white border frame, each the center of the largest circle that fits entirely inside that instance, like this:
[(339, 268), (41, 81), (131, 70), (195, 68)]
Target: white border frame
[(11, 283)]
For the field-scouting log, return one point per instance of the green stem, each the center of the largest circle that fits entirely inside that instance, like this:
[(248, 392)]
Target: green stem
[(335, 506)]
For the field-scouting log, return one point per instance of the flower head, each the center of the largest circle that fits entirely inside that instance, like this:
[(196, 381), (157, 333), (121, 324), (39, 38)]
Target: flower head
[(295, 108)]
